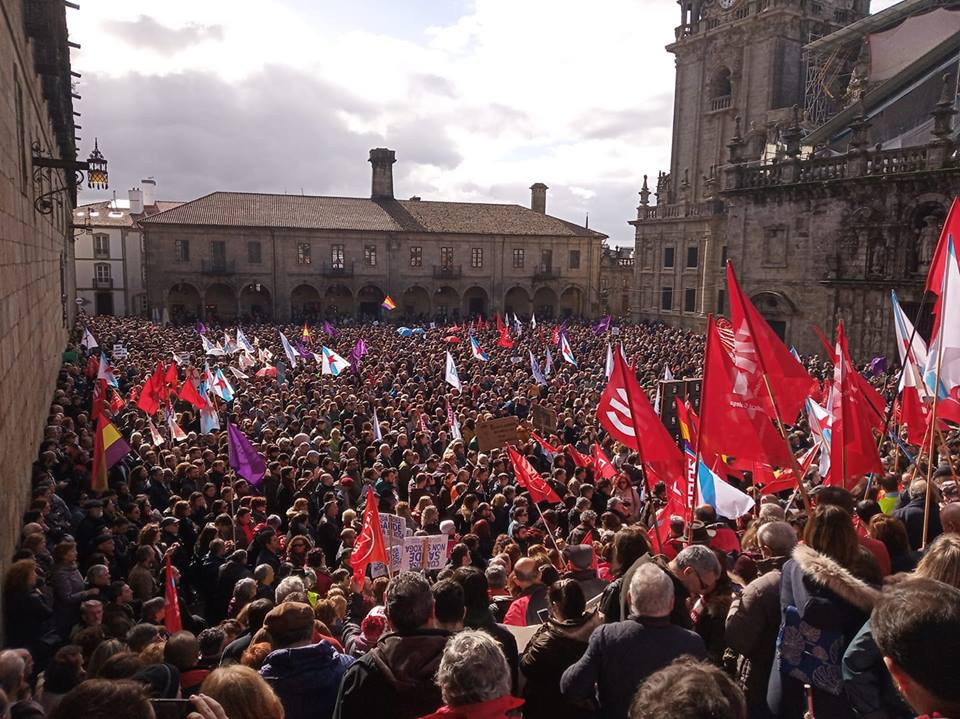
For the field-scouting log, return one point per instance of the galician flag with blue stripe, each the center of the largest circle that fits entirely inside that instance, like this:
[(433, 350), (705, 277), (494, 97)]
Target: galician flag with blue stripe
[(477, 351), (331, 363), (288, 349), (565, 350), (105, 373), (535, 370)]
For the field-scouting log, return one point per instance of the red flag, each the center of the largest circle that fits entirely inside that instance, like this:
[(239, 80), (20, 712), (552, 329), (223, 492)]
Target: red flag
[(505, 340), (733, 410), (99, 399), (188, 393), (601, 465), (170, 378), (874, 400), (938, 264), (578, 458), (758, 350), (547, 447), (93, 367), (116, 402), (171, 618), (555, 336), (149, 399), (529, 478), (500, 326), (853, 449), (624, 409), (369, 546)]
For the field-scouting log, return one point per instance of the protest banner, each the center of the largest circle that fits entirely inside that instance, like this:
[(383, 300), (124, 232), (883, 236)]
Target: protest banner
[(424, 553), (494, 433), (544, 419), (394, 530)]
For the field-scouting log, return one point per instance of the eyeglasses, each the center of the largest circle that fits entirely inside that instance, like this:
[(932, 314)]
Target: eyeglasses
[(704, 587)]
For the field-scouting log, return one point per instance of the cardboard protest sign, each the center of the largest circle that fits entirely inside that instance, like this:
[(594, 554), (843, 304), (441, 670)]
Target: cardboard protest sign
[(394, 530), (544, 419), (424, 553), (494, 433)]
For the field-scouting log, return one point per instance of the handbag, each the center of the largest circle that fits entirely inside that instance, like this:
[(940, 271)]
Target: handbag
[(810, 654)]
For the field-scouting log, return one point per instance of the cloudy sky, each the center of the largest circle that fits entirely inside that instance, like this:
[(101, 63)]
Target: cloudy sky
[(479, 98)]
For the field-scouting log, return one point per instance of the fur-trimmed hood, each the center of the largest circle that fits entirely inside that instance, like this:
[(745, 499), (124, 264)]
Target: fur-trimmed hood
[(822, 570)]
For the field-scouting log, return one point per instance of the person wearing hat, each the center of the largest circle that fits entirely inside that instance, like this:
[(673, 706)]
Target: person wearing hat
[(580, 568), (162, 681), (305, 675)]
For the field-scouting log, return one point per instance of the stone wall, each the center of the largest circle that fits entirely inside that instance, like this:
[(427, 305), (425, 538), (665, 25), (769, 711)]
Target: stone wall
[(36, 268)]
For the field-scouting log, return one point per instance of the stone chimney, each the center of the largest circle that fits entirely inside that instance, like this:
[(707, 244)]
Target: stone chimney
[(136, 200), (381, 186), (538, 197), (149, 192)]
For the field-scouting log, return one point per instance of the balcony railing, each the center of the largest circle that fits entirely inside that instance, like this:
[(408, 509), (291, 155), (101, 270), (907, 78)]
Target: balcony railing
[(337, 269), (218, 267), (721, 103), (545, 272), (102, 283), (447, 272)]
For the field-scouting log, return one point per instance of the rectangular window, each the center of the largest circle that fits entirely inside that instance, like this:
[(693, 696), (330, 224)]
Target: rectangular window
[(254, 254), (336, 257), (666, 298), (370, 255), (21, 132), (546, 260), (668, 257), (693, 256), (416, 257), (689, 300), (518, 257), (446, 256), (303, 253), (102, 270), (476, 257), (721, 301), (574, 259), (723, 256), (181, 250), (101, 245)]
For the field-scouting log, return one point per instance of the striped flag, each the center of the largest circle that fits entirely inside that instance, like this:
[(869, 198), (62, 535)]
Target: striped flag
[(109, 447)]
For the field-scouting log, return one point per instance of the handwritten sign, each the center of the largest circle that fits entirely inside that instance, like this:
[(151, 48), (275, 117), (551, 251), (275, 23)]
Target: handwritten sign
[(424, 553), (119, 352), (544, 419), (394, 528), (494, 433)]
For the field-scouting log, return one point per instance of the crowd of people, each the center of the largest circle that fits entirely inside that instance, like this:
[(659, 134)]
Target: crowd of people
[(834, 608)]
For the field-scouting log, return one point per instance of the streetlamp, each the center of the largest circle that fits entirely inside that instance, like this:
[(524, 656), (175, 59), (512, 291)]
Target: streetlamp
[(95, 167)]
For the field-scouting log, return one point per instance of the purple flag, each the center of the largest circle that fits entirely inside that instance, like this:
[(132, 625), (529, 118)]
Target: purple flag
[(878, 365), (302, 349), (330, 329), (356, 354), (603, 325), (201, 328), (244, 458)]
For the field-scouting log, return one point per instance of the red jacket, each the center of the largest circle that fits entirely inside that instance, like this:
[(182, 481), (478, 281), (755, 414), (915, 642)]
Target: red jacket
[(493, 709)]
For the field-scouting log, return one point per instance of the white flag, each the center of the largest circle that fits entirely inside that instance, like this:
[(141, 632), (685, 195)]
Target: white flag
[(608, 370), (377, 434), (451, 375), (88, 341)]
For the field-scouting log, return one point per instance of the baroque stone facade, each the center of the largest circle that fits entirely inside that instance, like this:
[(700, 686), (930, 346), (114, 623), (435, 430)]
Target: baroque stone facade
[(230, 255), (820, 223), (36, 251)]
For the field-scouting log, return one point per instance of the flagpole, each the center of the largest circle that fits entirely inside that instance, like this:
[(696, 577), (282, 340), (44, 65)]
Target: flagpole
[(933, 414), (773, 401), (636, 433)]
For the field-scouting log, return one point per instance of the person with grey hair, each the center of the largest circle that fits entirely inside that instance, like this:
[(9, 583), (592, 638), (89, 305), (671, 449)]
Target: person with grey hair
[(474, 679), (754, 618), (620, 655), (771, 512), (289, 585), (500, 599), (15, 684), (695, 572), (396, 678), (911, 514)]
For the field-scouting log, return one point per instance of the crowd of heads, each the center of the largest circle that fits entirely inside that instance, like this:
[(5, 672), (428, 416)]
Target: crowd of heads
[(270, 621)]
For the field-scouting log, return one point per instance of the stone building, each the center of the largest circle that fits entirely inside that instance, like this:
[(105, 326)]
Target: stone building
[(231, 254), (814, 147), (109, 251), (616, 281), (36, 252)]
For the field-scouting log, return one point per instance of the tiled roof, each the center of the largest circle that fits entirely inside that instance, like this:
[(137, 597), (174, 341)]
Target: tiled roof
[(116, 213), (242, 209)]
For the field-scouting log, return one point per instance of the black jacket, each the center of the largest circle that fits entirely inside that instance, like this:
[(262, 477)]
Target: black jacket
[(396, 679)]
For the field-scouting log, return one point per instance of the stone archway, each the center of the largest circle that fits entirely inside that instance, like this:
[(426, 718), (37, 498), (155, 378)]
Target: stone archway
[(256, 302), (219, 303), (517, 300), (476, 303), (777, 309), (183, 302), (446, 303), (571, 302), (305, 303), (369, 299), (415, 302), (338, 301), (545, 303)]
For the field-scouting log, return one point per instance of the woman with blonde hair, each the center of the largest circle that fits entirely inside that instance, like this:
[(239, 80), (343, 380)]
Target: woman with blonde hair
[(242, 693)]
